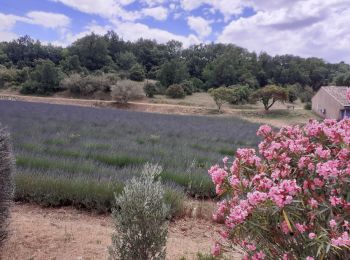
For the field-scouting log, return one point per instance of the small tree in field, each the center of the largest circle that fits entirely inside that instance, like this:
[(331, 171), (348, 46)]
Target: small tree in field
[(269, 95), (221, 96), (6, 188), (126, 90), (290, 200), (141, 220)]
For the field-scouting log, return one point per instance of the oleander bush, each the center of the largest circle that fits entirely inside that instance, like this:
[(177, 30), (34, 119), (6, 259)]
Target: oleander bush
[(141, 218), (291, 201), (6, 186)]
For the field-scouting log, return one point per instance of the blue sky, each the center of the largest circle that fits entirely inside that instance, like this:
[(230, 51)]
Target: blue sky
[(301, 27)]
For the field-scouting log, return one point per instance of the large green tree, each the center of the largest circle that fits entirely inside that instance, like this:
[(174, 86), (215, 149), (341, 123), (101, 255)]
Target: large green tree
[(173, 72), (92, 51)]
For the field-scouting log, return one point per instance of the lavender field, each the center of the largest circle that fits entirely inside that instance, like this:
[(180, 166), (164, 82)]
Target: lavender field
[(68, 155)]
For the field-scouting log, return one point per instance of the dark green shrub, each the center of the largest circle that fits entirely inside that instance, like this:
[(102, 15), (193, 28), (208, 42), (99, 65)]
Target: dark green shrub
[(187, 86), (137, 73), (6, 187), (197, 83), (150, 89), (30, 87), (175, 91), (308, 106), (141, 218)]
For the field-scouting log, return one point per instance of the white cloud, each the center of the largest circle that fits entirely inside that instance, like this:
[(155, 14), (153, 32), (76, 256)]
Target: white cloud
[(114, 9), (199, 25), (158, 13), (307, 28), (152, 2), (48, 20), (44, 19), (228, 8)]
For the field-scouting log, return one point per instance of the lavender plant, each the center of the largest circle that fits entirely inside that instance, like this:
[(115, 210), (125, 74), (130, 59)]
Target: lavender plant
[(141, 218), (6, 188)]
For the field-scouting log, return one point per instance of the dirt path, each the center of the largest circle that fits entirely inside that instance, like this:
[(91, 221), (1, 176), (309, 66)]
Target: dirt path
[(66, 233)]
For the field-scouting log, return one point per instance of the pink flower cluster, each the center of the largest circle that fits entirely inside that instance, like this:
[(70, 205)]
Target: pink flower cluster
[(295, 188)]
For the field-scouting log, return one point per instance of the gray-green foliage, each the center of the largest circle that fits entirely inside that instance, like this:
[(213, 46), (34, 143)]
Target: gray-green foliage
[(6, 188), (141, 218)]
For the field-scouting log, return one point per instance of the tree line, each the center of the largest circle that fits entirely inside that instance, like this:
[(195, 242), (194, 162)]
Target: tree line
[(40, 68)]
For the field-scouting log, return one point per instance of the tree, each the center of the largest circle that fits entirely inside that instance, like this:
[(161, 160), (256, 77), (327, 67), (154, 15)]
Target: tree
[(137, 73), (173, 72), (221, 95), (43, 80), (126, 60), (92, 51), (71, 64), (269, 95)]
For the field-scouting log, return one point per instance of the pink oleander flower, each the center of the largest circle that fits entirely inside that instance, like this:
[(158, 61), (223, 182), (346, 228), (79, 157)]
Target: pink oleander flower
[(335, 201), (264, 130), (216, 250), (312, 235), (348, 94), (343, 240), (300, 227), (291, 188), (332, 223), (310, 258)]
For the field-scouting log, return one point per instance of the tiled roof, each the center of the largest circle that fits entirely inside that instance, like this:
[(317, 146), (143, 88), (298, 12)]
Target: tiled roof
[(339, 93)]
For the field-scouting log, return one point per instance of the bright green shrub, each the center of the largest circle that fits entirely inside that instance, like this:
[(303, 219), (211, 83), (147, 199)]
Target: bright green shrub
[(6, 187), (175, 91), (141, 218)]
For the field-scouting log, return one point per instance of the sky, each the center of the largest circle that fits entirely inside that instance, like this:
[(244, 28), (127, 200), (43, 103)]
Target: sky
[(318, 28)]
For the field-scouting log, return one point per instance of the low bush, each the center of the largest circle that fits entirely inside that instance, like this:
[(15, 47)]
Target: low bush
[(240, 95), (175, 91), (188, 87), (141, 218), (80, 85), (150, 89), (292, 201), (126, 90), (6, 186)]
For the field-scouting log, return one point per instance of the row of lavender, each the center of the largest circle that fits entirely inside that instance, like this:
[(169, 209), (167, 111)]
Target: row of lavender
[(79, 156)]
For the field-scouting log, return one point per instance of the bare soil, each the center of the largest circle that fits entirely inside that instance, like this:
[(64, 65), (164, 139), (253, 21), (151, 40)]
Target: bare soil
[(66, 233)]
